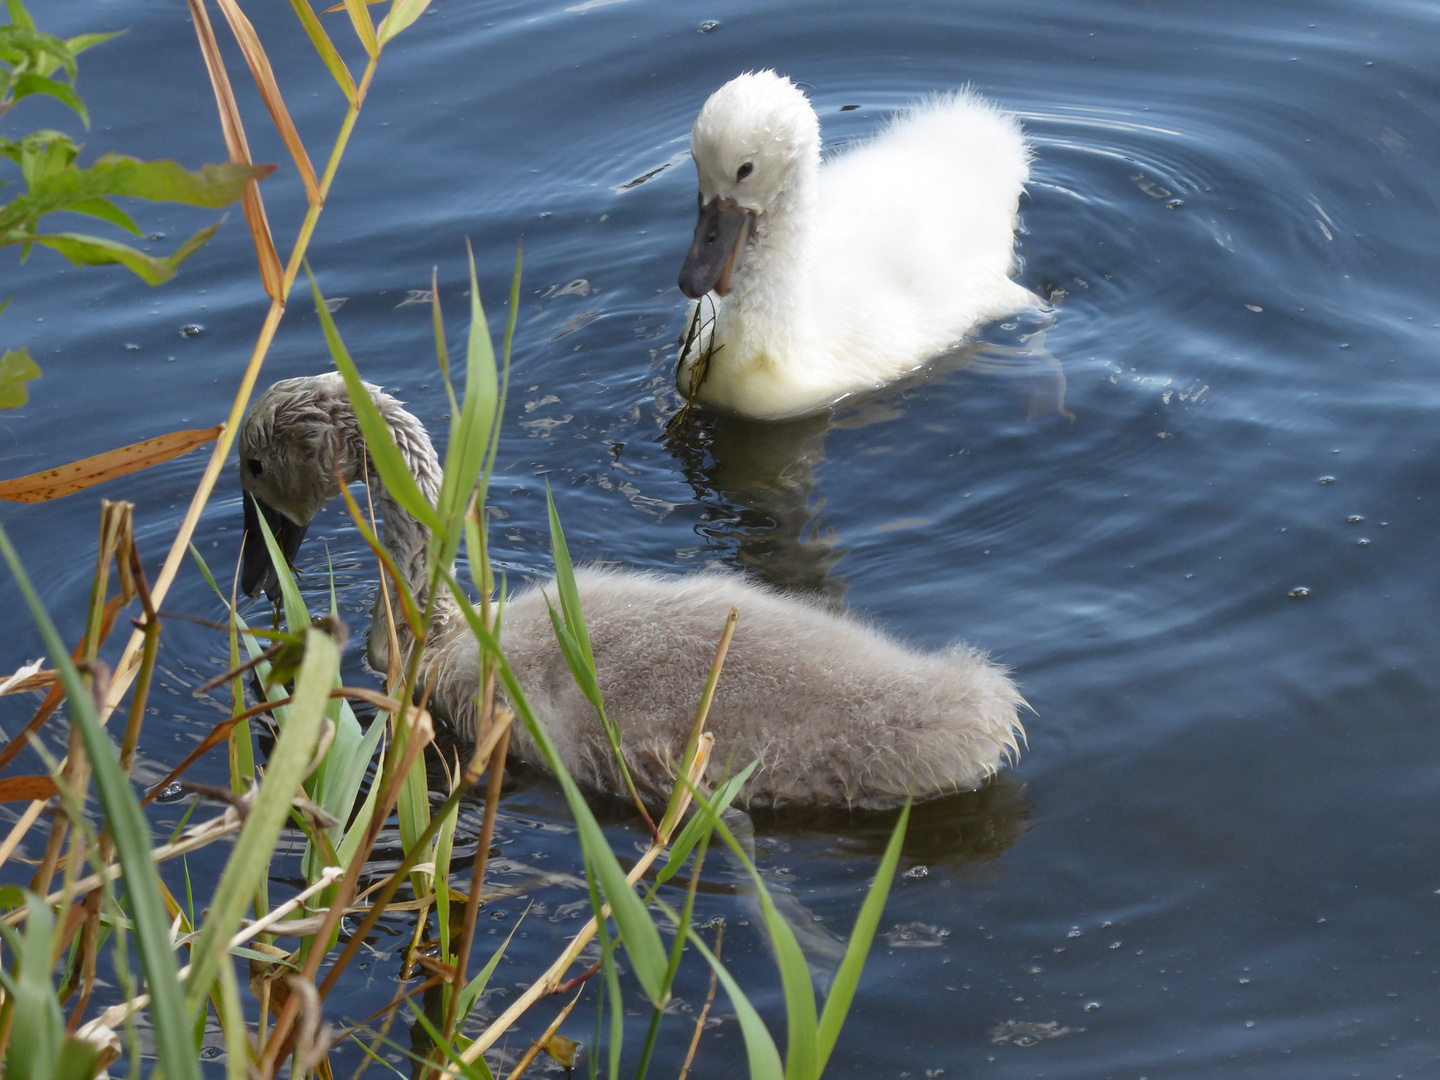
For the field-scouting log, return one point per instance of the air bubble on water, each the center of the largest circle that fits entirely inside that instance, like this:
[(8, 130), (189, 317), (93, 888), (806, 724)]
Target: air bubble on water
[(1300, 592)]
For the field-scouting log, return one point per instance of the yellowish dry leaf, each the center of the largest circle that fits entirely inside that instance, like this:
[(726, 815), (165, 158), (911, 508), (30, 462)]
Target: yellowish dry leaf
[(270, 93), (79, 475), (562, 1050), (36, 680), (26, 789), (271, 274)]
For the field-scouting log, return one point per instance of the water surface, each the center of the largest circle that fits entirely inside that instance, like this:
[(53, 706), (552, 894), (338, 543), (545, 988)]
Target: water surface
[(1216, 857)]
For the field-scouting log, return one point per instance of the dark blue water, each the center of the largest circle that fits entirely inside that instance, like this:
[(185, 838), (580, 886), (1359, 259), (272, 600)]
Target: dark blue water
[(1217, 856)]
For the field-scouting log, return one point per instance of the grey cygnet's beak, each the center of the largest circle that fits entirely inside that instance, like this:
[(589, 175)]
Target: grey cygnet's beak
[(256, 569), (717, 249)]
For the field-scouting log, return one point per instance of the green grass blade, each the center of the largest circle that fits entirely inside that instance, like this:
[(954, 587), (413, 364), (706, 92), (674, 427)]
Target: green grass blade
[(384, 454), (297, 618), (37, 1027), (581, 668), (250, 860), (565, 583), (759, 1046), (443, 841), (326, 48), (476, 986), (642, 940), (131, 832), (402, 14), (801, 1043), (470, 430), (699, 825), (842, 993), (477, 1071), (504, 373)]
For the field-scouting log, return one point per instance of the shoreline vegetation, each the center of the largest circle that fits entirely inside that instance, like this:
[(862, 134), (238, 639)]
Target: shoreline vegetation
[(112, 930)]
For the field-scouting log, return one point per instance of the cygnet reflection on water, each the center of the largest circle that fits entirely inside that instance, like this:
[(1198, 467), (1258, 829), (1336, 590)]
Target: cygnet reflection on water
[(958, 835), (756, 479)]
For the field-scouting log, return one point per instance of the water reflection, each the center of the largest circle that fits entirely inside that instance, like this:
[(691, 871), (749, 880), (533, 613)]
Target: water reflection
[(756, 481), (966, 828)]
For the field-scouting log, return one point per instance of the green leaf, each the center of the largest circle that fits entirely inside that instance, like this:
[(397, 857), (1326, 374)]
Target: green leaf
[(174, 1050), (30, 84), (30, 50), (19, 16), (394, 473), (582, 667), (249, 862), (42, 154), (16, 369), (95, 251), (81, 42), (402, 14), (326, 48), (444, 841), (105, 210), (38, 1027), (115, 176), (478, 1071), (297, 618), (842, 992)]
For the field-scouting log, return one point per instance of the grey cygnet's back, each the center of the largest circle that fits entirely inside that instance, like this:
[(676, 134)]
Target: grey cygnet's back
[(834, 710)]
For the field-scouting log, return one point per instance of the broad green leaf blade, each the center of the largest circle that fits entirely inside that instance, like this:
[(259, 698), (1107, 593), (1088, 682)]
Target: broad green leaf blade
[(131, 833), (578, 663), (115, 176), (105, 210), (394, 473), (842, 992), (412, 810), (81, 42), (27, 85), (249, 862), (96, 251), (37, 1027), (16, 369), (504, 377)]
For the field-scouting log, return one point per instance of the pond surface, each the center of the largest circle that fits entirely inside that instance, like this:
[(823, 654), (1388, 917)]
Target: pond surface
[(1217, 856)]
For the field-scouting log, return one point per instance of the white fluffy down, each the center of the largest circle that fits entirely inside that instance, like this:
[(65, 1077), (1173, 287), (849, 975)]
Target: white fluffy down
[(859, 269)]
